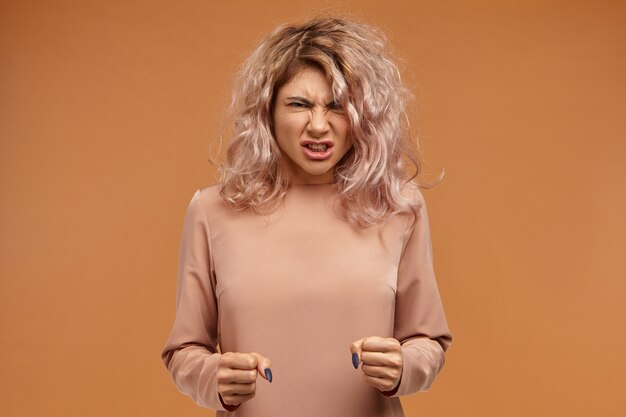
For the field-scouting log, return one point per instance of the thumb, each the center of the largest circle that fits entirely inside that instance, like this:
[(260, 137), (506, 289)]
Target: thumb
[(356, 348), (263, 365)]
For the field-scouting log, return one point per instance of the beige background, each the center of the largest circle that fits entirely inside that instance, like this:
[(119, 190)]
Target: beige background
[(107, 112)]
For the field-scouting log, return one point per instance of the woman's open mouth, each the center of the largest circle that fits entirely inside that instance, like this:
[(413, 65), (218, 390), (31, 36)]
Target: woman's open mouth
[(317, 151)]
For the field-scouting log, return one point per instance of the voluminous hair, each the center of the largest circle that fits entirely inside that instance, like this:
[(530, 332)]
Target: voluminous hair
[(354, 58)]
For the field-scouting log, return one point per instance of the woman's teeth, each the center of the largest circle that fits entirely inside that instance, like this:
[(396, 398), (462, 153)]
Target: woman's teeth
[(317, 147)]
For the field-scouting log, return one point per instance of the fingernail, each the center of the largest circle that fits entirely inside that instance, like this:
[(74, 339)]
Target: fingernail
[(268, 374), (355, 360)]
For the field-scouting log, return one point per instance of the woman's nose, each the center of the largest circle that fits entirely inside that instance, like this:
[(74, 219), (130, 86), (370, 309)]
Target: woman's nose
[(318, 122)]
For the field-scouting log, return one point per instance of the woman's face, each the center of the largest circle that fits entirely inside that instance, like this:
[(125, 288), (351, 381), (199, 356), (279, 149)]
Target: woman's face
[(311, 129)]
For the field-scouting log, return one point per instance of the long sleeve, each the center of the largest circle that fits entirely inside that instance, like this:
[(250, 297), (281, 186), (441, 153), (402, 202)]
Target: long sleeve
[(190, 354), (420, 321)]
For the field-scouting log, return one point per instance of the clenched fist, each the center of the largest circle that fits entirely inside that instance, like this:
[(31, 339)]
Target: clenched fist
[(382, 361), (236, 376)]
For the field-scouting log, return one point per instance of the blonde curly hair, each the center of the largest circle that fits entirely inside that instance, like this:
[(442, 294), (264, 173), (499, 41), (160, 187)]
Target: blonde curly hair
[(354, 58)]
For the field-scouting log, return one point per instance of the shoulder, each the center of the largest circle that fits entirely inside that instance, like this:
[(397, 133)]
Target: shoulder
[(209, 193), (413, 194), (206, 195), (206, 199)]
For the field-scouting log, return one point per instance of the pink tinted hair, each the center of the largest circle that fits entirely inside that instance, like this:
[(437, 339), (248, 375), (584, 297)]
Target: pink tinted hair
[(364, 79)]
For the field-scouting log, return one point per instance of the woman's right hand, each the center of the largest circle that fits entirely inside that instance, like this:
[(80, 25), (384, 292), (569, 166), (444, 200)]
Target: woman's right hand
[(237, 373)]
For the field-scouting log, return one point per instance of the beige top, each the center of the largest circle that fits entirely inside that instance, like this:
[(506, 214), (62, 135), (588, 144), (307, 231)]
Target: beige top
[(299, 286)]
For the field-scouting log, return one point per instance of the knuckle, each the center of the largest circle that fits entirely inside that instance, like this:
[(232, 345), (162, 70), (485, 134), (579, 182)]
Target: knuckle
[(226, 359), (223, 360)]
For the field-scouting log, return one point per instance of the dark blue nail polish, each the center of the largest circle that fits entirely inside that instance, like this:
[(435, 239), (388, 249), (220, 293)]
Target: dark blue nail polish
[(268, 374), (355, 360)]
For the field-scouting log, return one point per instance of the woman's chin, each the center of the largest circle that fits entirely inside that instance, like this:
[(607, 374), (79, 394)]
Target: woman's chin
[(314, 176)]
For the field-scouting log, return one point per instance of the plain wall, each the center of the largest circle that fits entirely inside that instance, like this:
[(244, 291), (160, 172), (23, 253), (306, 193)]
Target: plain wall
[(107, 113)]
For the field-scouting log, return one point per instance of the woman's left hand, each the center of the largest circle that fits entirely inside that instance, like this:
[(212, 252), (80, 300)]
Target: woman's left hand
[(382, 361)]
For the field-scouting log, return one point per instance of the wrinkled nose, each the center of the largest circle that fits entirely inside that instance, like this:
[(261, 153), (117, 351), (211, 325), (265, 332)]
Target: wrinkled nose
[(318, 123)]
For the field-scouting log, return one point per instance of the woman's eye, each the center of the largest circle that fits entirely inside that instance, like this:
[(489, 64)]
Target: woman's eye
[(335, 106), (297, 104)]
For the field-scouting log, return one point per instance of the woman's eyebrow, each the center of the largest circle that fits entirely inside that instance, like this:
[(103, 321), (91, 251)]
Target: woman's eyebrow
[(302, 99), (306, 101)]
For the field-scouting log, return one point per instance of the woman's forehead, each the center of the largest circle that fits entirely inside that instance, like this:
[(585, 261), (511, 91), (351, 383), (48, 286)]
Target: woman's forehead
[(307, 82)]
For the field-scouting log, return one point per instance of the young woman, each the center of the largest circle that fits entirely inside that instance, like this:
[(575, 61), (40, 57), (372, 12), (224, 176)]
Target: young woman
[(310, 262)]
